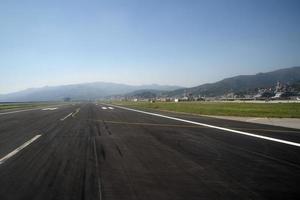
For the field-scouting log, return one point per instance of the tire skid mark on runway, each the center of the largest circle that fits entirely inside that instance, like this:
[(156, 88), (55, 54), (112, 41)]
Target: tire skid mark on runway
[(14, 152), (106, 128), (91, 129), (234, 147), (187, 126), (103, 152), (95, 129), (157, 178), (121, 168), (216, 127), (154, 163), (119, 150), (146, 124), (98, 128), (84, 176), (199, 167), (97, 169), (83, 183)]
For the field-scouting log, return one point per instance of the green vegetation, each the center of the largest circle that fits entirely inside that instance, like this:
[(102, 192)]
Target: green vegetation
[(290, 110)]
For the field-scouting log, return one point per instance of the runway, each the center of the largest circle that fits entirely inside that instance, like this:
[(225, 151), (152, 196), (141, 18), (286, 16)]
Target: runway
[(89, 151)]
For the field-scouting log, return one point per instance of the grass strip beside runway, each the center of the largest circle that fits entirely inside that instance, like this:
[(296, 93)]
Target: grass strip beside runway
[(278, 110)]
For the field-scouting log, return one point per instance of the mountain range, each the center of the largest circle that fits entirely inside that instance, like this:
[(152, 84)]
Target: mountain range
[(242, 83), (84, 91), (100, 90)]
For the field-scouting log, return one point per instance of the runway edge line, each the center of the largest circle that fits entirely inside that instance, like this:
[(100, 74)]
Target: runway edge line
[(214, 127)]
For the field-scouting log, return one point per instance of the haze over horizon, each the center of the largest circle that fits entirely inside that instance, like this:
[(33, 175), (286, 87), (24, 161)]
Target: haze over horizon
[(176, 42)]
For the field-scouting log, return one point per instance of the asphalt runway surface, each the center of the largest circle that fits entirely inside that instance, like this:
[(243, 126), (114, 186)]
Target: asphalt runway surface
[(89, 151)]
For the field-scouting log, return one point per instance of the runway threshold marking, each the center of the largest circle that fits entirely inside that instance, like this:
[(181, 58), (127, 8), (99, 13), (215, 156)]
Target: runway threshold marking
[(215, 127), (62, 119), (14, 152)]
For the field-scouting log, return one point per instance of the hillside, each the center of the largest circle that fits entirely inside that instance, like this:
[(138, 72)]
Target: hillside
[(98, 90), (144, 94), (242, 83), (85, 91)]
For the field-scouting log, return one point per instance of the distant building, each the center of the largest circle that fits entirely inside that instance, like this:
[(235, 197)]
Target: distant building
[(282, 91), (264, 93), (67, 99)]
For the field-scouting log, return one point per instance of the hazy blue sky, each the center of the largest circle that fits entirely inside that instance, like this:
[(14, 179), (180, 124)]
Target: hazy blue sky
[(181, 42)]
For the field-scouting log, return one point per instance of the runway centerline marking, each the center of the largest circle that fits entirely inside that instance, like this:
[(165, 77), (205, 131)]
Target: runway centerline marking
[(104, 108), (14, 152), (111, 108), (77, 111), (215, 127), (62, 119)]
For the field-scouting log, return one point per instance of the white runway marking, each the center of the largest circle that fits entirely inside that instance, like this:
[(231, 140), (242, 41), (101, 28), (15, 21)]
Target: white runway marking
[(77, 111), (103, 108), (62, 119), (216, 127), (111, 108), (17, 111), (49, 108), (24, 110), (11, 154)]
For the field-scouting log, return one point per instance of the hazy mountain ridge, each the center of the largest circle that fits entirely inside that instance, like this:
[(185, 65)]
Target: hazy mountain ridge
[(86, 91), (241, 83), (98, 90), (145, 93)]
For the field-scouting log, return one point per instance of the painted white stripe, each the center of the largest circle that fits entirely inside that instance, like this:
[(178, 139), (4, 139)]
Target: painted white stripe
[(49, 108), (110, 108), (14, 152), (77, 111), (216, 127), (62, 119), (17, 111), (104, 108), (24, 110)]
